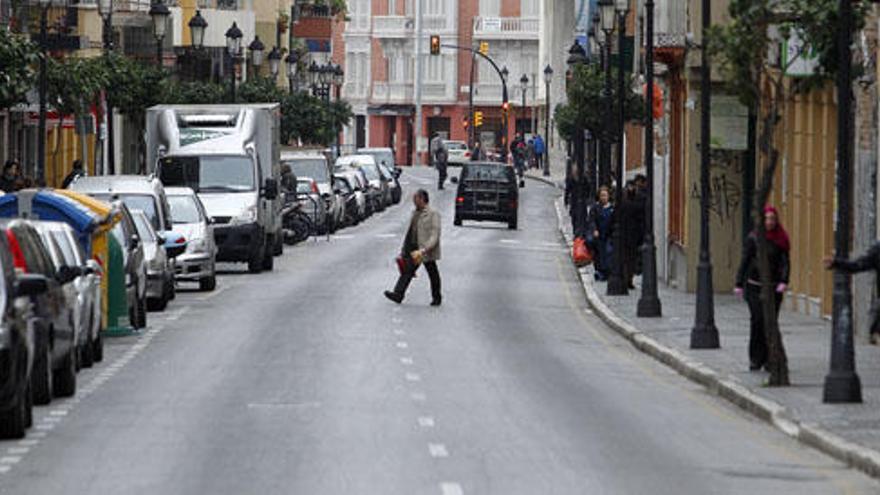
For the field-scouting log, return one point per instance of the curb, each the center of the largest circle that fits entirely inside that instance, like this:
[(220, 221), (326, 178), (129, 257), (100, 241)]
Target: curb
[(856, 456), (543, 179)]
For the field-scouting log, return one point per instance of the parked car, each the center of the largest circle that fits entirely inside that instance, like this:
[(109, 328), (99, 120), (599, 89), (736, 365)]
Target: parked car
[(138, 192), (55, 351), (191, 220), (17, 343), (160, 269), (314, 207), (135, 264), (383, 156), (391, 176), (314, 165), (487, 191), (457, 152), (378, 192), (86, 286), (354, 202)]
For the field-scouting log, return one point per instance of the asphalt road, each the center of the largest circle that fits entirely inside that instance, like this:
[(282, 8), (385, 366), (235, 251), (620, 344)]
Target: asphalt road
[(307, 381)]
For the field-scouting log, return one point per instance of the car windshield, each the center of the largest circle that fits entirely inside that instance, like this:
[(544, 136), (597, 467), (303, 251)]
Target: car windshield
[(314, 168), (380, 156), (303, 187), (343, 186), (452, 145), (209, 173), (371, 172), (184, 209), (498, 173), (143, 228), (66, 248), (143, 202)]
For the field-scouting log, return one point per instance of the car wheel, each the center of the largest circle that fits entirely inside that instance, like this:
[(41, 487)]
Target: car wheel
[(278, 245), (268, 259), (140, 314), (456, 221), (86, 353), (255, 264), (208, 284), (172, 289), (29, 408), (99, 348), (65, 378), (41, 374), (157, 303), (511, 224), (13, 421)]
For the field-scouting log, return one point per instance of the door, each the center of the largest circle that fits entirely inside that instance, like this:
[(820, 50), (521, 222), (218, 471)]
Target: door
[(360, 133)]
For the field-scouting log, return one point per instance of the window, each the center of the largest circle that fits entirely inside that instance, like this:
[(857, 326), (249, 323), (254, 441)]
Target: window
[(184, 209), (209, 173), (490, 8), (143, 202), (528, 8)]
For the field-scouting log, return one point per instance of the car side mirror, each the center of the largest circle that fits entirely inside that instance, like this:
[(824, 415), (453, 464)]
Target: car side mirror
[(135, 241), (397, 172), (94, 266), (175, 244), (270, 189), (67, 274), (31, 284), (211, 221)]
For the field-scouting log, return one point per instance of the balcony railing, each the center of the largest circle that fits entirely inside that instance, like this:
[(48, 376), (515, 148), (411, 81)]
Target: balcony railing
[(671, 29), (506, 27), (395, 92), (394, 26), (122, 5)]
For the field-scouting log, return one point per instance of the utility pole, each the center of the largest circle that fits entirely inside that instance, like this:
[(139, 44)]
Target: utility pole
[(417, 91)]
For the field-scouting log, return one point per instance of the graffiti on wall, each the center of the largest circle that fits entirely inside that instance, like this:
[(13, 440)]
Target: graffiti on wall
[(725, 188)]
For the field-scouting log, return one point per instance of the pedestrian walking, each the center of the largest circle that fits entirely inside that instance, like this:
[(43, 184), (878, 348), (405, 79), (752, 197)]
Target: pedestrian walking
[(748, 281), (518, 152), (601, 224), (530, 154), (11, 180), (539, 151), (441, 159), (632, 221), (870, 260), (477, 152), (421, 246), (76, 172), (436, 142)]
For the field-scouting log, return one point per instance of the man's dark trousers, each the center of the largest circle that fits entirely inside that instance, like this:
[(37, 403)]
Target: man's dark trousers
[(407, 276), (441, 171)]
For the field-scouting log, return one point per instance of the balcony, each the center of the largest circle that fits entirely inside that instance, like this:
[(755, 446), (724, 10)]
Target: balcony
[(126, 6), (398, 26), (395, 92), (506, 28), (671, 29)]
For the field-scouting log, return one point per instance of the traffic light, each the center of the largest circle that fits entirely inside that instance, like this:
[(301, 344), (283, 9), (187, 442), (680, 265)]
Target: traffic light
[(484, 47), (478, 119), (465, 123), (505, 109), (435, 44)]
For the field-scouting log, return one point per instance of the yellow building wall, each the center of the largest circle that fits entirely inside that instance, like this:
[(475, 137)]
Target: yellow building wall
[(63, 146)]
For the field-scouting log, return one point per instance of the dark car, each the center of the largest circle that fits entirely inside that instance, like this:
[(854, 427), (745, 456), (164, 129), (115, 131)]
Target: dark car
[(55, 355), (17, 340), (487, 191)]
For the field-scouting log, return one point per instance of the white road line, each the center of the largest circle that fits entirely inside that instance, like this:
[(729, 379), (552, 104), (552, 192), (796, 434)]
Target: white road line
[(17, 450), (426, 421), (448, 488), (386, 236), (418, 396), (402, 345), (45, 426), (28, 442), (10, 459), (399, 332), (58, 412), (510, 241), (413, 377), (406, 361), (342, 237), (5, 469), (438, 450)]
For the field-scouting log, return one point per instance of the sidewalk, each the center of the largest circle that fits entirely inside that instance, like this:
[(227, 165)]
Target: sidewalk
[(557, 170), (849, 432)]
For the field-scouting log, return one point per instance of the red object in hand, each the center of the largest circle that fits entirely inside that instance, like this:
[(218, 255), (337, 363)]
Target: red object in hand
[(580, 253)]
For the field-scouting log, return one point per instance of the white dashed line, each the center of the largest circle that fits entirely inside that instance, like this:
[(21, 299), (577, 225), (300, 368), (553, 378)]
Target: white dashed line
[(438, 450), (413, 377), (510, 241), (402, 345), (10, 459), (45, 426), (426, 421), (451, 489), (17, 450), (386, 236), (399, 332), (418, 396), (406, 361), (5, 469), (58, 412), (28, 442)]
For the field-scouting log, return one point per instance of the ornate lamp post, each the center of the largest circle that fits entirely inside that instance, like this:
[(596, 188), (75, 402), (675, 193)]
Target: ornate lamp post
[(292, 61), (159, 14), (274, 61), (842, 384), (197, 26), (649, 302), (704, 335), (257, 49), (43, 90), (548, 78), (233, 47), (617, 286), (577, 57), (606, 20), (524, 84)]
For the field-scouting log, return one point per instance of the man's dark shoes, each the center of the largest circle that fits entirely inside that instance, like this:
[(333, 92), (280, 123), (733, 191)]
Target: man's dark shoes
[(437, 301), (393, 296)]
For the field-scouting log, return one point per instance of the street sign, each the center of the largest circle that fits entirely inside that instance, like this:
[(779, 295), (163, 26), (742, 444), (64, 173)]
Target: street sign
[(798, 59), (484, 47)]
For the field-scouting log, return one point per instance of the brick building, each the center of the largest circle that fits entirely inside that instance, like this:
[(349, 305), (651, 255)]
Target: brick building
[(379, 61)]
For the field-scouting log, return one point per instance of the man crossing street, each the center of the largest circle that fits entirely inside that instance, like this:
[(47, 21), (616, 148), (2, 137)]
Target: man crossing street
[(420, 246)]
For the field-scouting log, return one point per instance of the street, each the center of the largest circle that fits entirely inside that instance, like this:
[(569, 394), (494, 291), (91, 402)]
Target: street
[(306, 380)]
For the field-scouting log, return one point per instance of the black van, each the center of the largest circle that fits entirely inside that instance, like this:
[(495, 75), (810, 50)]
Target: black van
[(487, 191)]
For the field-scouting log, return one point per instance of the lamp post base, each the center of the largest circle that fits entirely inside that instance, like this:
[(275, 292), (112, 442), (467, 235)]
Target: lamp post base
[(704, 335), (649, 303), (842, 387)]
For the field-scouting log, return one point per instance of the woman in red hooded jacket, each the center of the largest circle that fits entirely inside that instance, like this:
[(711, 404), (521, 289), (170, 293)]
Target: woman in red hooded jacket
[(748, 281)]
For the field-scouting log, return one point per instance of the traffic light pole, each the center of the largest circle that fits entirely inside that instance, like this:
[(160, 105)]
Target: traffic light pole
[(504, 100), (472, 128)]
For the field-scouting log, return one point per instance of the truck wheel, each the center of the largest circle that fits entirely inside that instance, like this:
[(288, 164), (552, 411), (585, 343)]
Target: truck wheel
[(65, 378), (41, 375), (255, 264), (208, 284), (13, 421), (268, 259)]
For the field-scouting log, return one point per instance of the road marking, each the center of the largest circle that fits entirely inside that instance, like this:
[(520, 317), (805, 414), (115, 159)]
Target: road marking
[(402, 345), (448, 488), (58, 412), (438, 450), (386, 236), (17, 450), (426, 421), (5, 469), (342, 237), (44, 426), (418, 396), (413, 377), (406, 361), (510, 241), (396, 320), (399, 332), (10, 459), (28, 442)]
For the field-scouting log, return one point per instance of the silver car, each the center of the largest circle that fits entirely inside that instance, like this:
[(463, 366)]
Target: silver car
[(197, 263), (457, 152), (86, 287), (160, 271), (314, 165)]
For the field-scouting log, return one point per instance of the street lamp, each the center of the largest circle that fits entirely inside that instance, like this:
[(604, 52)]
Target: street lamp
[(43, 89), (504, 72), (577, 56), (274, 61), (159, 14), (618, 282), (606, 22), (548, 77), (256, 48), (704, 335), (197, 26), (649, 303), (842, 384), (292, 61), (233, 47), (524, 84)]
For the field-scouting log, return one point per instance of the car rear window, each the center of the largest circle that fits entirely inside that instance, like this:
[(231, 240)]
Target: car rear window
[(498, 173)]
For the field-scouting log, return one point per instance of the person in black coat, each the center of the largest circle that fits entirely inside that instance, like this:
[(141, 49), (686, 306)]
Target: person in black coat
[(748, 281), (632, 211), (868, 261), (601, 227)]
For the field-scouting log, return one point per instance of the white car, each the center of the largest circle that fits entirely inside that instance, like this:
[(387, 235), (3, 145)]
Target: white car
[(190, 219), (457, 152)]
